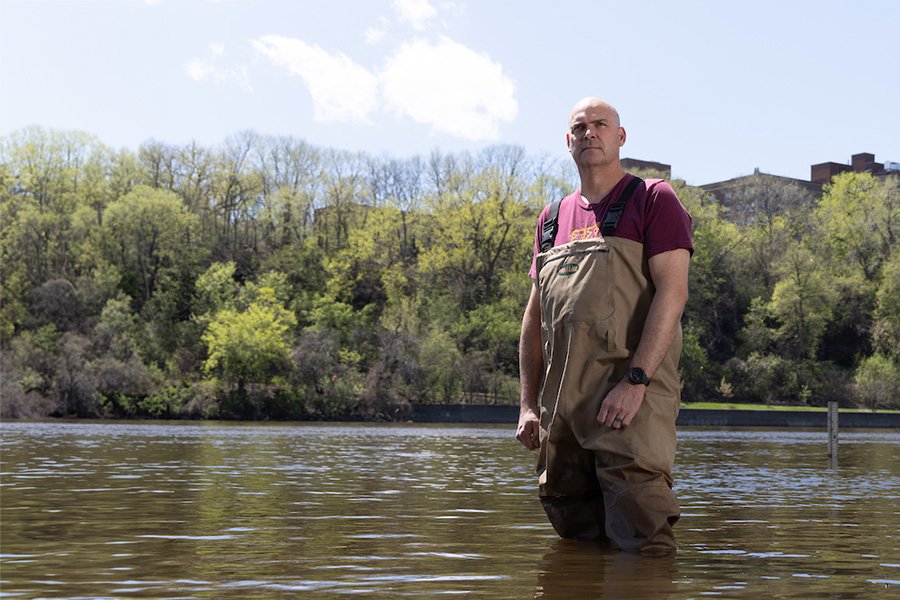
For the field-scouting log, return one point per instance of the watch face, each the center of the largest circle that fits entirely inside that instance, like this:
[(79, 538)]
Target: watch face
[(637, 375)]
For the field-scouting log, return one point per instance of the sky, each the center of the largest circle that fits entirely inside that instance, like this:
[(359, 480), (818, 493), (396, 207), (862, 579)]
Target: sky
[(715, 89)]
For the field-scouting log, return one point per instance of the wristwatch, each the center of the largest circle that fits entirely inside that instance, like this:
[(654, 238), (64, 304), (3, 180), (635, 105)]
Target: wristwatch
[(637, 375)]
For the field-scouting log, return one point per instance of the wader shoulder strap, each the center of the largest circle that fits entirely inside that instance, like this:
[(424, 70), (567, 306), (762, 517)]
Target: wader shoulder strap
[(615, 211), (551, 224)]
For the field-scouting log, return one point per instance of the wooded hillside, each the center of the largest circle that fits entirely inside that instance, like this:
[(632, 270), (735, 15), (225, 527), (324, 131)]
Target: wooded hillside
[(267, 278)]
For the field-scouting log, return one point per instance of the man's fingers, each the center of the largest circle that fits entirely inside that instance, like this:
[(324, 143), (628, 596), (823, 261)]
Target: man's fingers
[(615, 418), (534, 436), (529, 435)]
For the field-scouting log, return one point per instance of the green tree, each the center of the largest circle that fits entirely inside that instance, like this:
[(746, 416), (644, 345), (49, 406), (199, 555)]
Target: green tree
[(45, 177), (717, 299), (118, 332), (876, 383), (860, 219), (215, 289), (251, 345), (442, 365), (857, 220), (52, 172), (886, 328), (802, 302), (482, 225), (148, 235), (290, 175), (343, 193)]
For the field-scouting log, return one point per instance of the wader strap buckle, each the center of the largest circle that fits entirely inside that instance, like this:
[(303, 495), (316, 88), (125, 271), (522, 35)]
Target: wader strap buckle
[(551, 224), (615, 211)]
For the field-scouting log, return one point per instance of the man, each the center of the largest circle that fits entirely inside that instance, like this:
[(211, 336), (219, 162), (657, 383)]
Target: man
[(600, 343)]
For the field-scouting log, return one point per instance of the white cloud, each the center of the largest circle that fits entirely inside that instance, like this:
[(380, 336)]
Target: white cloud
[(207, 70), (341, 89), (450, 87), (439, 83), (414, 12), (376, 33)]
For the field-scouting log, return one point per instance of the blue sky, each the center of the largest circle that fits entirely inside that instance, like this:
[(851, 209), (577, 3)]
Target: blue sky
[(715, 89)]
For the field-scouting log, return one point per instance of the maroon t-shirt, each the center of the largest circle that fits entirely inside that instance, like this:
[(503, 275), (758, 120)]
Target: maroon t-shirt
[(653, 216)]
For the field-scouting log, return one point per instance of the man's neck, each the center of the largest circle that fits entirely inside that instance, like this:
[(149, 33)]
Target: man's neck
[(596, 184)]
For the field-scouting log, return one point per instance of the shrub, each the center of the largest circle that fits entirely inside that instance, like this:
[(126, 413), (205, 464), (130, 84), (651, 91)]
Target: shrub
[(876, 383), (772, 379)]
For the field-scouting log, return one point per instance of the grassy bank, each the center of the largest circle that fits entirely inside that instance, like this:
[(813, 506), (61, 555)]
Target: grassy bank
[(737, 406)]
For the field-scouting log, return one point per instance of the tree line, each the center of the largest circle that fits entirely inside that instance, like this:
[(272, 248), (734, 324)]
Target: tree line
[(270, 279)]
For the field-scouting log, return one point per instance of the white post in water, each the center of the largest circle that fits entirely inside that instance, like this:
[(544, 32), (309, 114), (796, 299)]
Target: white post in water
[(832, 432)]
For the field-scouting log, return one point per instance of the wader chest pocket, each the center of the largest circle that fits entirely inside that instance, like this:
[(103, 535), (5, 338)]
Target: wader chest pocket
[(574, 283)]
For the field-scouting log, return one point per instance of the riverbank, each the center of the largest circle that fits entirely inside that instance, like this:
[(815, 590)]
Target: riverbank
[(687, 417)]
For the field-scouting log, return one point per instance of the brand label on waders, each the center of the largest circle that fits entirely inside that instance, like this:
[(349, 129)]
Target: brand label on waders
[(567, 269)]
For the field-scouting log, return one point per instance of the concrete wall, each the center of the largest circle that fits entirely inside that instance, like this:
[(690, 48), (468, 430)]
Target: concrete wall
[(688, 417)]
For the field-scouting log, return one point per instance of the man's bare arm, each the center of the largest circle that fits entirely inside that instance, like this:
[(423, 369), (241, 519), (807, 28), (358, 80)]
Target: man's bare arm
[(669, 272), (531, 369)]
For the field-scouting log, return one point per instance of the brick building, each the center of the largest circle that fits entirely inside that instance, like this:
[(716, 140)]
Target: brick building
[(859, 163), (633, 164), (820, 174), (745, 198)]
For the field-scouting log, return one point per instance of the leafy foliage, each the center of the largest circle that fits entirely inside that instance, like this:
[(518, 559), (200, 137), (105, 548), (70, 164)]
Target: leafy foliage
[(250, 345), (266, 278)]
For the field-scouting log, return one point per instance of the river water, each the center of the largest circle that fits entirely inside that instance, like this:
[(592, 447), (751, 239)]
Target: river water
[(212, 510)]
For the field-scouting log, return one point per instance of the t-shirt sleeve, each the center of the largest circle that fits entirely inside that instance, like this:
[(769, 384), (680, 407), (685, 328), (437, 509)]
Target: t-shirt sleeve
[(667, 221)]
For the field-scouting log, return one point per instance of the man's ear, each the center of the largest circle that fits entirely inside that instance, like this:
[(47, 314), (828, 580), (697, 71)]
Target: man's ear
[(622, 136)]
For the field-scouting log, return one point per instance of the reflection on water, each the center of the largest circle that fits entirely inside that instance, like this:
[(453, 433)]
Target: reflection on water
[(262, 511), (571, 569)]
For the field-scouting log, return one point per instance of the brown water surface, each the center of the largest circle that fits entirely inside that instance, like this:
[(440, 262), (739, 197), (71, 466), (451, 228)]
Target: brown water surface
[(186, 510)]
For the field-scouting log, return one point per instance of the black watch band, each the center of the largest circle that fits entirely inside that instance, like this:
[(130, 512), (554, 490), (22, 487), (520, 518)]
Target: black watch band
[(637, 375)]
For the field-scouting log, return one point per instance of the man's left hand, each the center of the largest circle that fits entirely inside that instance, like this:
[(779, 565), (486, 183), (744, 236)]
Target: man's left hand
[(621, 404)]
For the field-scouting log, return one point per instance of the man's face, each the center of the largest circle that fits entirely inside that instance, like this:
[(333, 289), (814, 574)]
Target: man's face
[(594, 136)]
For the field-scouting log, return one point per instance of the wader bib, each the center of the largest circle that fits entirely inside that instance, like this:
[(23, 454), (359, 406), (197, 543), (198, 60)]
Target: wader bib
[(597, 482)]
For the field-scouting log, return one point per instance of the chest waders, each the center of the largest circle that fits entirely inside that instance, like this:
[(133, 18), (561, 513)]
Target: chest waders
[(597, 482)]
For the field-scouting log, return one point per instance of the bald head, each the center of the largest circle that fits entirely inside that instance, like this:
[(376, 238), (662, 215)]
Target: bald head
[(594, 137), (594, 102)]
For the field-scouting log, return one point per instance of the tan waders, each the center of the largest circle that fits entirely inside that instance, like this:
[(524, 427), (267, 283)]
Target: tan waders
[(597, 482)]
